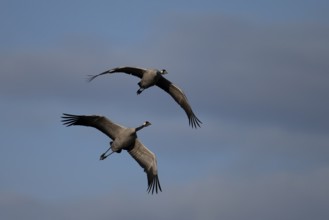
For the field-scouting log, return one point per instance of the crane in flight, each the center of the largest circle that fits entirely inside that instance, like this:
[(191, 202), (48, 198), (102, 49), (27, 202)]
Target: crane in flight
[(123, 139), (151, 77)]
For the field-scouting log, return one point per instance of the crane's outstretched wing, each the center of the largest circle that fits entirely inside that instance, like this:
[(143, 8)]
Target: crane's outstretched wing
[(147, 160), (135, 71), (180, 98), (99, 122)]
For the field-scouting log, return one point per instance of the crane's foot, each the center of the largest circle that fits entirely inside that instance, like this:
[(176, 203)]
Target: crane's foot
[(103, 157), (139, 91)]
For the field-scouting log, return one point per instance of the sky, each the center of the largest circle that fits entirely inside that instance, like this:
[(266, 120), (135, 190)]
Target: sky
[(256, 74)]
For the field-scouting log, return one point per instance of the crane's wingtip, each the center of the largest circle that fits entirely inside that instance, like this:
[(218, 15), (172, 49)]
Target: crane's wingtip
[(154, 185), (194, 122), (90, 78), (68, 119)]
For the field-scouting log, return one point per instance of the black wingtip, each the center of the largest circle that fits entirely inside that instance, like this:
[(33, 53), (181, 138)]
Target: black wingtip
[(68, 119), (154, 185), (194, 122), (92, 77)]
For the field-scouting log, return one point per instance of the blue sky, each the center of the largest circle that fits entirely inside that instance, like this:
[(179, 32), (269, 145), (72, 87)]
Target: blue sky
[(255, 73)]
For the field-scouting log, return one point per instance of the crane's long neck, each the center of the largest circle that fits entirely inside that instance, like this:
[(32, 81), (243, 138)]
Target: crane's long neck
[(140, 127)]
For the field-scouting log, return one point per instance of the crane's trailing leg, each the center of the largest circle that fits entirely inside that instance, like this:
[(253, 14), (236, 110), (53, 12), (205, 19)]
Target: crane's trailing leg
[(140, 90), (103, 156)]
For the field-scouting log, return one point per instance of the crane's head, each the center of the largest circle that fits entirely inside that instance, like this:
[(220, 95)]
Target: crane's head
[(163, 71), (146, 123)]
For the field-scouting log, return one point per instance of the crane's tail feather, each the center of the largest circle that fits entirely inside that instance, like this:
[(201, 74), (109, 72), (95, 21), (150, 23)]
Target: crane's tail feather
[(154, 184)]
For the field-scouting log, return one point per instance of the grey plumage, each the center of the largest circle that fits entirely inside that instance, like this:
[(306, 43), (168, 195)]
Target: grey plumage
[(123, 139), (151, 77)]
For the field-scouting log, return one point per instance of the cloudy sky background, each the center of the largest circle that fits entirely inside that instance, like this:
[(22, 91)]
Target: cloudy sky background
[(256, 74)]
